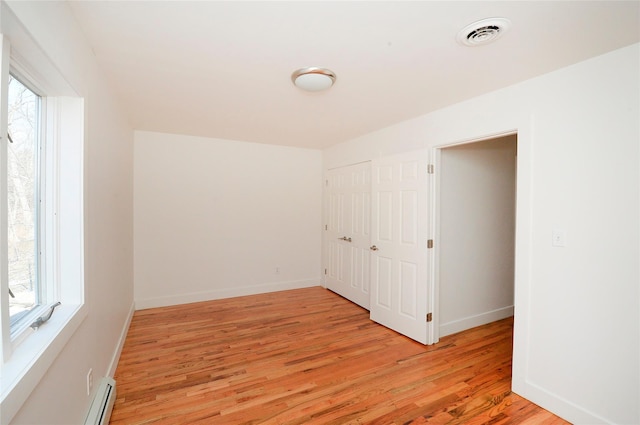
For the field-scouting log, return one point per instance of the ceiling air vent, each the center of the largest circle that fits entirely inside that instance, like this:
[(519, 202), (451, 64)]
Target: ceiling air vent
[(483, 32)]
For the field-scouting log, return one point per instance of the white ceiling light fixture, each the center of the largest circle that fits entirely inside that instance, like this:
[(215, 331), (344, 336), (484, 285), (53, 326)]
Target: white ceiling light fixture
[(313, 79), (483, 32)]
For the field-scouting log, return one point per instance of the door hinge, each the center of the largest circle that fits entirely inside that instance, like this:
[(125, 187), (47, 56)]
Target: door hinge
[(430, 168), (326, 182), (326, 227), (429, 317), (325, 271), (430, 243)]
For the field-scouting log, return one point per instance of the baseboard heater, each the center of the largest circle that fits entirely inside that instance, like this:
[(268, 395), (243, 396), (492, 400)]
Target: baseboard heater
[(102, 404)]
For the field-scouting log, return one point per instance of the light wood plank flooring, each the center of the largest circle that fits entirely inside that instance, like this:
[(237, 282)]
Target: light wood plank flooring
[(308, 356)]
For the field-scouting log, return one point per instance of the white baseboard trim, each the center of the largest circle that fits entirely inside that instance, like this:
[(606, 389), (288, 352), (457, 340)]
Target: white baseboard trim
[(473, 321), (218, 294), (556, 404), (123, 336)]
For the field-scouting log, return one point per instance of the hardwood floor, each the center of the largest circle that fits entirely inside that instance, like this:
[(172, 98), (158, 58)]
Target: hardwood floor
[(308, 356)]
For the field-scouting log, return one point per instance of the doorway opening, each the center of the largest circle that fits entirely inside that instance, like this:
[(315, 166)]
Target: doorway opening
[(474, 217)]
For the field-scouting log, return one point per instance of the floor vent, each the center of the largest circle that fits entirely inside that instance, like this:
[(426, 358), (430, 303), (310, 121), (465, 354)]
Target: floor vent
[(102, 404)]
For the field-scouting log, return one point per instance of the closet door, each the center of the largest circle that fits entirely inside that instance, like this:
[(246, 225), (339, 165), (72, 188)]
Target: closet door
[(399, 262), (347, 234)]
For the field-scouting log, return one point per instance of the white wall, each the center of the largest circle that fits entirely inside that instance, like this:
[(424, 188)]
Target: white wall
[(477, 233), (577, 328), (215, 218), (61, 397)]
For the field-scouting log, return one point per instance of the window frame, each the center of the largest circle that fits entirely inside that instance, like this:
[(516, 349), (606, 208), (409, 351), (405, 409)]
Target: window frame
[(25, 360)]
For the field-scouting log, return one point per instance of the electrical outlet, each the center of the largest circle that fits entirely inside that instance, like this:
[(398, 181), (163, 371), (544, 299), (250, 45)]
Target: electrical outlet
[(89, 381)]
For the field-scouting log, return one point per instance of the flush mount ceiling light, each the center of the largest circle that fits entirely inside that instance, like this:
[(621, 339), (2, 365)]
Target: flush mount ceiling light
[(313, 79), (483, 32)]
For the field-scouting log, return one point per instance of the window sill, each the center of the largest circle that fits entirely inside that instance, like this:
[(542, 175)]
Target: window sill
[(32, 358)]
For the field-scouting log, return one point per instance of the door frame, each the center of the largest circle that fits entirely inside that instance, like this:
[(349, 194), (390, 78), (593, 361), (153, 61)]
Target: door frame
[(434, 207)]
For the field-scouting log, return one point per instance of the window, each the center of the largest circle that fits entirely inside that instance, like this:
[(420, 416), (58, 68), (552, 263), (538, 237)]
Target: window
[(23, 186), (41, 214), (26, 292)]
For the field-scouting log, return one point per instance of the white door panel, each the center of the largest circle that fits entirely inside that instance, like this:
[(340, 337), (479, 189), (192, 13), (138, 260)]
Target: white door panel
[(348, 233), (399, 272)]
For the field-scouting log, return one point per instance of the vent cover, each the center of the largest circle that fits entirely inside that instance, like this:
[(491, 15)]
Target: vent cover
[(483, 32)]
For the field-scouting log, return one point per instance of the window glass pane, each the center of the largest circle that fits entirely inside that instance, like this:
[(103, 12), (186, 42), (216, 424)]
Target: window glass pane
[(22, 205)]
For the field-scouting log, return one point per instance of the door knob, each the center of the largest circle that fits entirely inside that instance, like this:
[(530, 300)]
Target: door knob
[(373, 248)]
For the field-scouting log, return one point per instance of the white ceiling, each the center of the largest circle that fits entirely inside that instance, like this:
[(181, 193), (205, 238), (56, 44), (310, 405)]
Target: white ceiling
[(222, 69)]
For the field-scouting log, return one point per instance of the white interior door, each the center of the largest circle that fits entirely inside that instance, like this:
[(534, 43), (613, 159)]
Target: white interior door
[(399, 235), (348, 233)]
